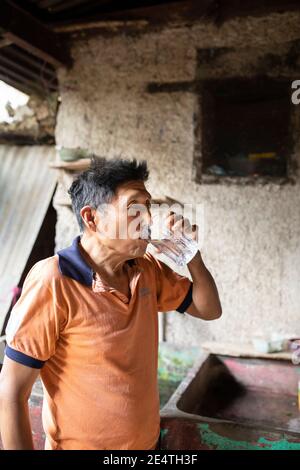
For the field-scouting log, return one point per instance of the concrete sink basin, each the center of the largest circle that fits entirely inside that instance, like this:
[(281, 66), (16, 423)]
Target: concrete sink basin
[(234, 403)]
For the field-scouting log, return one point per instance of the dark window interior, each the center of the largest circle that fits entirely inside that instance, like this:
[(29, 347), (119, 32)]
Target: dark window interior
[(245, 127)]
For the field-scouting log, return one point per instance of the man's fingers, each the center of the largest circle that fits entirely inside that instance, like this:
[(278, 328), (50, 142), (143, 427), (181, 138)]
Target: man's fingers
[(178, 223), (172, 218), (195, 231), (182, 225)]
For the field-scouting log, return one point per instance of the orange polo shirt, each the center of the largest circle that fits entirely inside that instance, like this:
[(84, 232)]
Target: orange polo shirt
[(97, 349)]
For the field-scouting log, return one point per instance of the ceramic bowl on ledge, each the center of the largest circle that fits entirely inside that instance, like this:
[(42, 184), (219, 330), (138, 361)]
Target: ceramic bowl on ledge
[(72, 154)]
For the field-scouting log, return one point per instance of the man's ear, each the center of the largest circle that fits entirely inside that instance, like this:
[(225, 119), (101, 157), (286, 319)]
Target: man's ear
[(88, 217)]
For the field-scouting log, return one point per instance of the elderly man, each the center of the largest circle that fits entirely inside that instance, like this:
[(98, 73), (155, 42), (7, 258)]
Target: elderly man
[(87, 322)]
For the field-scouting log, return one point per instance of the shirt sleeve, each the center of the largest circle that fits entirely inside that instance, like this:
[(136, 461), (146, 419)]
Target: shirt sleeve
[(35, 321), (174, 291)]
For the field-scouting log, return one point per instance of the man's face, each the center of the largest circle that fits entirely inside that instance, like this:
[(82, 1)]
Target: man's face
[(124, 224)]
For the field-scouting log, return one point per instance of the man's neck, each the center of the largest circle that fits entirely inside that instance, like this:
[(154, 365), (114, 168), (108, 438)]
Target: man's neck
[(101, 258)]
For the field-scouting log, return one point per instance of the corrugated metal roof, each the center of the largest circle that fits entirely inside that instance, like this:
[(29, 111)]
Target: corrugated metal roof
[(26, 72), (28, 64), (26, 188)]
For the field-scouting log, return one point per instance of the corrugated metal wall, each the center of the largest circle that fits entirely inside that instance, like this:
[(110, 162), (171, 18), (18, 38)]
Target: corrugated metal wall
[(26, 188)]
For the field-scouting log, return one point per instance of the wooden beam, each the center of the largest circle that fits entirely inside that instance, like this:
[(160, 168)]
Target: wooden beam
[(27, 72), (188, 11), (18, 85), (234, 8), (172, 87), (30, 34), (5, 43), (28, 60), (9, 74), (22, 138)]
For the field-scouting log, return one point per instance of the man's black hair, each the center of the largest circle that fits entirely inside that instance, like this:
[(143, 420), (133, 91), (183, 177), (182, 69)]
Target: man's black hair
[(98, 184)]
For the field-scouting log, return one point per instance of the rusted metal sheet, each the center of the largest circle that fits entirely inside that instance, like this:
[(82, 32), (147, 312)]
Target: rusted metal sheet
[(26, 188), (229, 403)]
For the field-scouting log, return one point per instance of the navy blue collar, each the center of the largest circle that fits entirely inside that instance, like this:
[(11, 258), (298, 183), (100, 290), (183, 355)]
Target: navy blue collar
[(72, 264)]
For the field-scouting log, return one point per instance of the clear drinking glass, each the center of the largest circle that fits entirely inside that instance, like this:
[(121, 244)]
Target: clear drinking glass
[(179, 247)]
